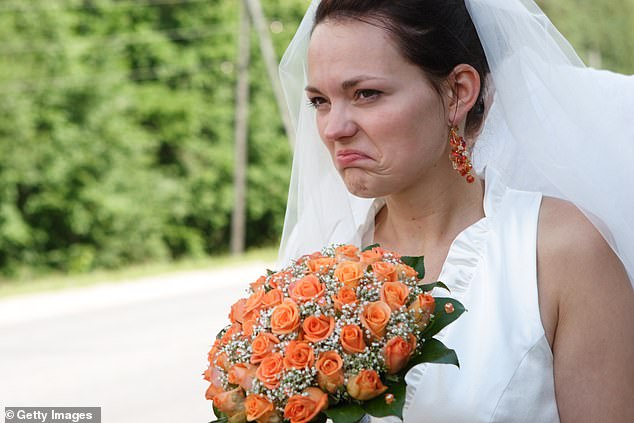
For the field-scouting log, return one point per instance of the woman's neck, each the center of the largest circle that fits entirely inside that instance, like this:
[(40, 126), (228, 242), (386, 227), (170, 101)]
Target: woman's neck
[(430, 215)]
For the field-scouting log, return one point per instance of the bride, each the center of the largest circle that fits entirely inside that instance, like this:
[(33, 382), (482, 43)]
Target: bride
[(536, 239)]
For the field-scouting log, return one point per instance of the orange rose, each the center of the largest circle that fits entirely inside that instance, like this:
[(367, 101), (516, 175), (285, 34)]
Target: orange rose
[(303, 408), (347, 252), (213, 375), (213, 351), (397, 353), (352, 339), (269, 371), (329, 371), (237, 311), (320, 265), (229, 333), (307, 288), (242, 374), (222, 361), (404, 271), (375, 317), (272, 298), (285, 318), (258, 284), (249, 324), (262, 346), (345, 295), (231, 403), (318, 328), (298, 355), (423, 306), (370, 256), (384, 271), (394, 294), (349, 273), (365, 385), (253, 302), (259, 408)]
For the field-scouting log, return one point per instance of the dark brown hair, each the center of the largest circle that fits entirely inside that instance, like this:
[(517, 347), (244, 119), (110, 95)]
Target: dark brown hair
[(436, 35)]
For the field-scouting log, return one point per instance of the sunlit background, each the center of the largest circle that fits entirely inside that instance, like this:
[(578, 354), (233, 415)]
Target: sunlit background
[(117, 139)]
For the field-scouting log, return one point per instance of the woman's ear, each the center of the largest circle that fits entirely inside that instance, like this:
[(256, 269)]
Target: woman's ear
[(463, 86)]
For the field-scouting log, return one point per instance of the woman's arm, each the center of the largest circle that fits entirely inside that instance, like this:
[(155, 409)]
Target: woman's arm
[(587, 306)]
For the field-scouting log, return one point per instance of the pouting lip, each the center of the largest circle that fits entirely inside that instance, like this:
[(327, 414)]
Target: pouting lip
[(347, 157)]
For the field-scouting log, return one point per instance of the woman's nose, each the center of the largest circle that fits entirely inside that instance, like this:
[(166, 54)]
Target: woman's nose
[(339, 126)]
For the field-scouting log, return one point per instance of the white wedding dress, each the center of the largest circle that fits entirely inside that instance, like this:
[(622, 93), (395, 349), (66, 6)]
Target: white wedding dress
[(506, 364)]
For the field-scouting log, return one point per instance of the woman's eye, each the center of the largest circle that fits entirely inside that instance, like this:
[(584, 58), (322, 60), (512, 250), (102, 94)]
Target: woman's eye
[(367, 94), (316, 102)]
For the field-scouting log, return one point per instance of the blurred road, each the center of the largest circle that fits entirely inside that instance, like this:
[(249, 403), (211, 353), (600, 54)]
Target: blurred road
[(137, 349)]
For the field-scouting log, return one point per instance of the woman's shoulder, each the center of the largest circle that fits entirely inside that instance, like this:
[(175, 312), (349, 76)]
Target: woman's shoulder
[(573, 261)]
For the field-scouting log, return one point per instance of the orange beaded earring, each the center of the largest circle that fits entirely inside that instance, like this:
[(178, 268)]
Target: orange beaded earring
[(459, 156)]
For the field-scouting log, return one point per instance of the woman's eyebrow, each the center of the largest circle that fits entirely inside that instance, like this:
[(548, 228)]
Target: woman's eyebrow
[(347, 84)]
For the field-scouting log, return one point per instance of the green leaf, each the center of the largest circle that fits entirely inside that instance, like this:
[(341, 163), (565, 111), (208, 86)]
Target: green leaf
[(369, 247), (222, 417), (441, 317), (319, 418), (429, 286), (417, 263), (434, 351), (377, 407), (346, 413)]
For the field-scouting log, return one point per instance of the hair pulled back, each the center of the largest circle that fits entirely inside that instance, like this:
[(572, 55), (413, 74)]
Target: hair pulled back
[(435, 35)]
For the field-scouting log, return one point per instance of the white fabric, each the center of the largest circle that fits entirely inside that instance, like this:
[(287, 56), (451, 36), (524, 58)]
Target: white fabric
[(554, 126), (506, 364)]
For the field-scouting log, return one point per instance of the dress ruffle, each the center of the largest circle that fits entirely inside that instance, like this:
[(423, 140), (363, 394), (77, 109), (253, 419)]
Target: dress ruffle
[(464, 256)]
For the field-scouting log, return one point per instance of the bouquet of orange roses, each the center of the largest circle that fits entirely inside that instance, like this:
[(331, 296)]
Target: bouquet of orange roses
[(330, 336)]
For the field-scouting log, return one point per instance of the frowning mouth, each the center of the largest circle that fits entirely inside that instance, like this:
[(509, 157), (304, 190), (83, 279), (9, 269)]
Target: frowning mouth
[(346, 158)]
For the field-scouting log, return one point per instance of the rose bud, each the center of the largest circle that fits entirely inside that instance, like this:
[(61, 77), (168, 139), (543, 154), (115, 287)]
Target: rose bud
[(285, 318), (318, 328), (320, 265), (237, 311), (370, 256), (260, 409), (394, 294), (213, 375), (298, 355), (330, 371), (404, 271), (375, 318), (304, 408), (397, 353), (262, 346), (307, 288), (232, 404), (242, 374), (349, 273), (272, 298), (346, 252), (269, 371), (345, 295), (352, 339), (384, 271), (365, 385), (258, 284)]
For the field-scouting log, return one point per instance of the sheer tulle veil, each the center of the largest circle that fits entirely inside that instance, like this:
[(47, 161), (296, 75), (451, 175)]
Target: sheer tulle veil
[(553, 125)]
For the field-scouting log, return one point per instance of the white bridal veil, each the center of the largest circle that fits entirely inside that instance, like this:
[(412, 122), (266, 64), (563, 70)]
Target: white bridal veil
[(554, 126)]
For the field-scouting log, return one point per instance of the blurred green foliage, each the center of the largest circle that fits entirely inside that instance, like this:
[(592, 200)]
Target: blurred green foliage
[(116, 128)]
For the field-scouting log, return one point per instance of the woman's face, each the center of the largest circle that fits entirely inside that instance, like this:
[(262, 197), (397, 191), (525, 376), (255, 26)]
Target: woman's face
[(379, 116)]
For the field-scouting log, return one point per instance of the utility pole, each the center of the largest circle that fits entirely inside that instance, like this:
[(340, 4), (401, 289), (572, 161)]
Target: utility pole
[(268, 53), (238, 218)]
